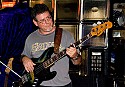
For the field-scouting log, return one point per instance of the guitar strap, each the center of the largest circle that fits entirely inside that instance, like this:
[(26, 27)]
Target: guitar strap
[(57, 39)]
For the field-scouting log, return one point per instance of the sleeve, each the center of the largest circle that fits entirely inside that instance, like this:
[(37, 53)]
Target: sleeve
[(27, 48)]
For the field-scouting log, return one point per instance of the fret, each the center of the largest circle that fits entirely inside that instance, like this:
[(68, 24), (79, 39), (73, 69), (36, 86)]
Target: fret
[(54, 58), (63, 53), (45, 64), (59, 55), (51, 60), (48, 62)]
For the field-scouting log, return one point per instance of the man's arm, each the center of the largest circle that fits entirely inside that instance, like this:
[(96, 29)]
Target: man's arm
[(76, 58), (28, 63)]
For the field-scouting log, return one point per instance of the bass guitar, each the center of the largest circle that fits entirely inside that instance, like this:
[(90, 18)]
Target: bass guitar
[(45, 61)]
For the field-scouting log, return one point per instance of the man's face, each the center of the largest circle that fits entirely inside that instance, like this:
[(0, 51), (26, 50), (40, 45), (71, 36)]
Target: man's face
[(44, 21)]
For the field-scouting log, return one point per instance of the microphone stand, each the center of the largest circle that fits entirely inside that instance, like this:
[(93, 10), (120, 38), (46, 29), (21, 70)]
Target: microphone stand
[(10, 69)]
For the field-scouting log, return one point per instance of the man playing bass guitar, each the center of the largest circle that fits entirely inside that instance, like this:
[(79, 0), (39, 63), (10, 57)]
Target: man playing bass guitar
[(41, 42)]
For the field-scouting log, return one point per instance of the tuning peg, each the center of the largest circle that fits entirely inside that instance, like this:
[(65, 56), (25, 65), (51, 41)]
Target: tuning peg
[(98, 22), (94, 24)]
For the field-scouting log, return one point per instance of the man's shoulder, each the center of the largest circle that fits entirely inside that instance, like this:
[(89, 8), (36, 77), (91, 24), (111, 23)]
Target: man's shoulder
[(66, 32), (32, 34)]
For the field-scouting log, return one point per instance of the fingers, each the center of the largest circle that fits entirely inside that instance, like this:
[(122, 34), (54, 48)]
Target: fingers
[(29, 65), (71, 51)]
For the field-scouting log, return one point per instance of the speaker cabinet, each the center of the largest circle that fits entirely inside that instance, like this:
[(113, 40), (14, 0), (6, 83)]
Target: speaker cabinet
[(97, 66)]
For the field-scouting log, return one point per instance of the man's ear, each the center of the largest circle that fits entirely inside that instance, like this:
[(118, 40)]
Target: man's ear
[(35, 22)]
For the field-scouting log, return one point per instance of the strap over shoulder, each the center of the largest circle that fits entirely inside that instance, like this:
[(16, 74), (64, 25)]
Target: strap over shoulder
[(57, 39)]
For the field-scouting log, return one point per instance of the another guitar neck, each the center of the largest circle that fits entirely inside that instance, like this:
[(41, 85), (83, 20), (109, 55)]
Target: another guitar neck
[(7, 70), (6, 79)]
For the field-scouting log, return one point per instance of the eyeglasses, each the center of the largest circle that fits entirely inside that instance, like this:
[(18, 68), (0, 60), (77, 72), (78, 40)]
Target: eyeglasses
[(43, 21)]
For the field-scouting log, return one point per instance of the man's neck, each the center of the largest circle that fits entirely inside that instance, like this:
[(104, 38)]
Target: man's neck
[(46, 32)]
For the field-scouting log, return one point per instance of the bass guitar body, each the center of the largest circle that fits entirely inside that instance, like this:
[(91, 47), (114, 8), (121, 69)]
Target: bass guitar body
[(41, 71)]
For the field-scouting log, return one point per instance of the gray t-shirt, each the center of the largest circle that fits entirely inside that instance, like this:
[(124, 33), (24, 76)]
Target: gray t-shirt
[(36, 44)]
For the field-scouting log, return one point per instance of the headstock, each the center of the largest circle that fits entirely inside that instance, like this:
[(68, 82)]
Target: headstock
[(9, 65), (100, 28)]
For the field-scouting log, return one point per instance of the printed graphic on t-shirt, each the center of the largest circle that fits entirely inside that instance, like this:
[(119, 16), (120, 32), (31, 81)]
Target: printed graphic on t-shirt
[(43, 46)]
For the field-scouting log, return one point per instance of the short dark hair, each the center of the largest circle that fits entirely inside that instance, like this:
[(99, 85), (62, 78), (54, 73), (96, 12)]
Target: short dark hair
[(38, 9)]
